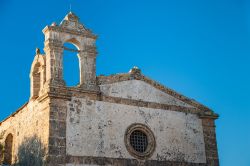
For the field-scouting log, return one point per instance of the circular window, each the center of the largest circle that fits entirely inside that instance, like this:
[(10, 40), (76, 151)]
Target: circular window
[(139, 141)]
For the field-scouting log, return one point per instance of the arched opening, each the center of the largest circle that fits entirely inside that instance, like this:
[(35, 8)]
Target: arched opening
[(8, 149), (71, 65), (36, 81), (37, 76)]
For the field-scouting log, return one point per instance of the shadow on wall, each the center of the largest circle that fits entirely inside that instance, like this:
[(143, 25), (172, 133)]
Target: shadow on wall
[(1, 153), (31, 153)]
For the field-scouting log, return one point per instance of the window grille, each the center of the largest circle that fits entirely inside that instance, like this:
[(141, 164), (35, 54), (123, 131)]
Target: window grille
[(139, 141)]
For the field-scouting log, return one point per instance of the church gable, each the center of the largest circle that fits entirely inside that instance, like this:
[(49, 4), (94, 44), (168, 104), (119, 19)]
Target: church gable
[(140, 90), (136, 86)]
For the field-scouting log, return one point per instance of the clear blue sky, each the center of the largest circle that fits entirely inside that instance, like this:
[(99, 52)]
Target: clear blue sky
[(198, 48)]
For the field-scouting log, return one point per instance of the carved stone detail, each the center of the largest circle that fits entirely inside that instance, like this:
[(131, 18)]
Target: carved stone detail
[(71, 21)]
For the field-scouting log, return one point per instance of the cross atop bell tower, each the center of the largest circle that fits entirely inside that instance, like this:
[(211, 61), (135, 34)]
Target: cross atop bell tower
[(72, 31)]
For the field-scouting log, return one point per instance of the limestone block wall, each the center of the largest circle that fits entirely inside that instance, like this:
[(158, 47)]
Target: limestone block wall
[(97, 128), (30, 120)]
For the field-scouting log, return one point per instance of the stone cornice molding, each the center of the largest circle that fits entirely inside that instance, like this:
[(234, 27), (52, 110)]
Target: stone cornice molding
[(89, 51), (208, 115), (145, 104), (70, 31), (53, 43)]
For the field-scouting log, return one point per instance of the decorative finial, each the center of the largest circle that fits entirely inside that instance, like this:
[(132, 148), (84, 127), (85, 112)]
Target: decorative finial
[(135, 70), (53, 24), (37, 51)]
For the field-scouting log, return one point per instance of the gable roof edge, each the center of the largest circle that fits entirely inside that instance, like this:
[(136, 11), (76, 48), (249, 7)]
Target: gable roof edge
[(206, 112), (14, 113)]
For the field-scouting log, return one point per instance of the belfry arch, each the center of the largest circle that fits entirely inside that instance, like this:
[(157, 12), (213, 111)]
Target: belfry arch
[(71, 64), (75, 42), (8, 149)]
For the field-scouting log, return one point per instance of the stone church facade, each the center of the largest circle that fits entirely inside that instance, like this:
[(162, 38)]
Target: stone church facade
[(122, 119)]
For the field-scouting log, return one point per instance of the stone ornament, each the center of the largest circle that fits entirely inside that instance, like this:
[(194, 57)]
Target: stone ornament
[(71, 22)]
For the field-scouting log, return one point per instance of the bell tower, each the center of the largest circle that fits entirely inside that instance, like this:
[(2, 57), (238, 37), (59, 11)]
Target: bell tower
[(72, 31)]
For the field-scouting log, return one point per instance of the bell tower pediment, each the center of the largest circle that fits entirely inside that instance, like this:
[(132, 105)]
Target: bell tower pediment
[(70, 25), (71, 22)]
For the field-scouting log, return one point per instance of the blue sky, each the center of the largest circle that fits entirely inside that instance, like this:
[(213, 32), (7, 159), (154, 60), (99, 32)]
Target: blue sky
[(198, 48)]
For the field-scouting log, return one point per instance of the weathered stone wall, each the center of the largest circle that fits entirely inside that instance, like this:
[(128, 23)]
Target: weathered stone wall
[(210, 141), (96, 128), (31, 120), (139, 90), (57, 132)]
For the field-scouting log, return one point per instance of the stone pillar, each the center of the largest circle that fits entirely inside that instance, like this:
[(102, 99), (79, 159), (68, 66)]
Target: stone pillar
[(57, 132), (35, 85), (54, 52), (87, 59), (210, 140), (42, 77), (82, 58)]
